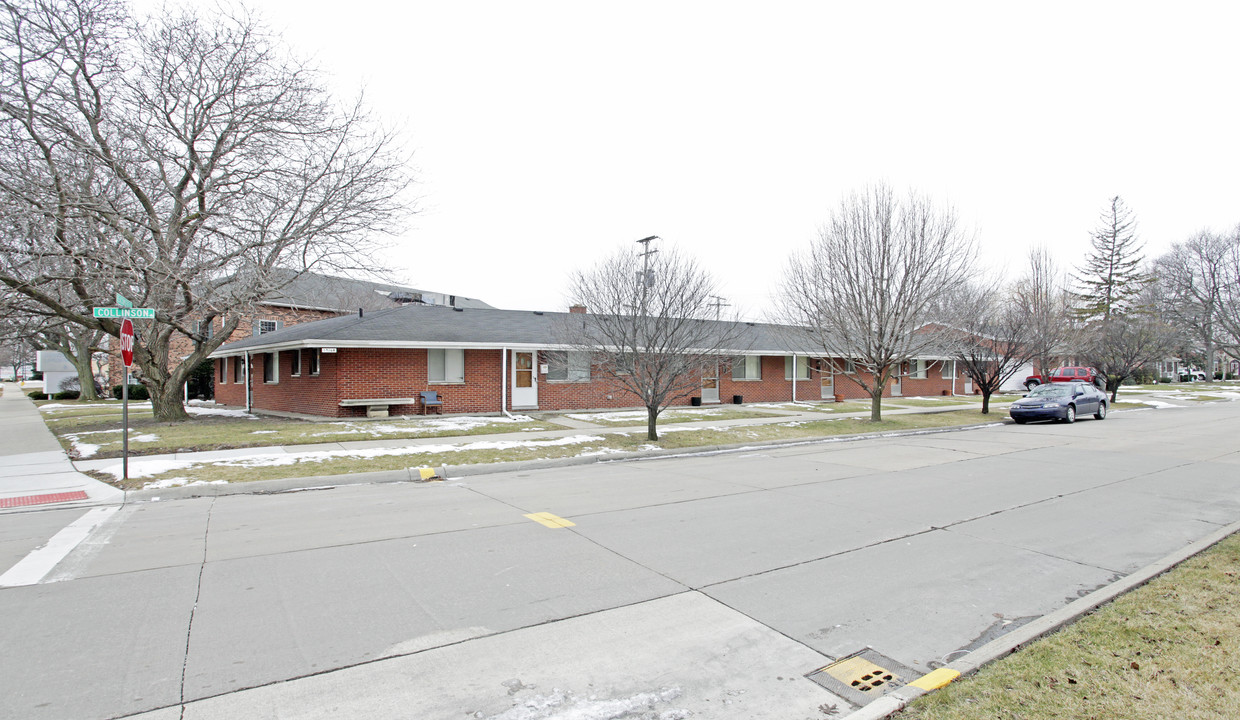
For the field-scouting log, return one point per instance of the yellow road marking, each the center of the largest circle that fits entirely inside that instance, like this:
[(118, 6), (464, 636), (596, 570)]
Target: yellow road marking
[(426, 473), (551, 521), (935, 680)]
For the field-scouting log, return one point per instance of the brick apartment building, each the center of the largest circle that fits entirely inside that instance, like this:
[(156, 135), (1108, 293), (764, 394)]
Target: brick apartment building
[(485, 360)]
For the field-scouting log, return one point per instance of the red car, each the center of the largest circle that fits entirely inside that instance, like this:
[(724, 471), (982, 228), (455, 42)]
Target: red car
[(1068, 373)]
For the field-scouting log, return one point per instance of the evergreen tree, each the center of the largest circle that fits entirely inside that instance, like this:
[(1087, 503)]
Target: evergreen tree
[(1112, 278)]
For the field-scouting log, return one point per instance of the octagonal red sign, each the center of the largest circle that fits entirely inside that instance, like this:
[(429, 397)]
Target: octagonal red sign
[(127, 342)]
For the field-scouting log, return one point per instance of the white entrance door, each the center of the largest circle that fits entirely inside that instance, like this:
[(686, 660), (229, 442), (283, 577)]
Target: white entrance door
[(710, 385), (895, 381), (828, 382), (524, 380)]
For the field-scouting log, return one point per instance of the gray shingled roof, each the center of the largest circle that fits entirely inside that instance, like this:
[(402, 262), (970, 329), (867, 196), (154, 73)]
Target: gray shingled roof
[(439, 326), (330, 292)]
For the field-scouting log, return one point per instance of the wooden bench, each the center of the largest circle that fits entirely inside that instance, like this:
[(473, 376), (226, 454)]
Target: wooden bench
[(377, 407)]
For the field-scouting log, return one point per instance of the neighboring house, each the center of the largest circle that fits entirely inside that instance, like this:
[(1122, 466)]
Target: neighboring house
[(484, 360), (55, 367)]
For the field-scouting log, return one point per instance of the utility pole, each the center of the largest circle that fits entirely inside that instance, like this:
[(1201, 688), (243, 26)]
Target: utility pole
[(646, 277), (719, 305)]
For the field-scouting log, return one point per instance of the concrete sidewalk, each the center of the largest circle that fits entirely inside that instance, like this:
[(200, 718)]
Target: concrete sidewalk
[(35, 472)]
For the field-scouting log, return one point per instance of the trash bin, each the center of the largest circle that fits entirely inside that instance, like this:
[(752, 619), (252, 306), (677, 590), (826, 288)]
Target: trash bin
[(737, 399), (695, 401)]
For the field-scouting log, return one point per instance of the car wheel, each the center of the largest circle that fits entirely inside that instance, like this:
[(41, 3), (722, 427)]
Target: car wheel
[(1069, 415), (1031, 385), (1102, 412), (1019, 421)]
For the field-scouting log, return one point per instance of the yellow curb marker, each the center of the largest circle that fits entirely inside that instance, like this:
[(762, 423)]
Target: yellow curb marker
[(935, 680), (427, 473), (551, 521)]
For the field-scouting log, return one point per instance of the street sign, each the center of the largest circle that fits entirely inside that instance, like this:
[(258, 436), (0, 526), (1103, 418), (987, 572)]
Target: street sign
[(123, 301), (120, 312), (127, 343)]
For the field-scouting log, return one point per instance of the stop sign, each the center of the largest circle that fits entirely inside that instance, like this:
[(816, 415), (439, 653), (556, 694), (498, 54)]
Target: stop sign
[(127, 342)]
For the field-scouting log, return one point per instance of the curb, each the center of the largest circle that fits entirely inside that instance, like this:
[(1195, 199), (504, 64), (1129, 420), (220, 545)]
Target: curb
[(453, 472), (1007, 644)]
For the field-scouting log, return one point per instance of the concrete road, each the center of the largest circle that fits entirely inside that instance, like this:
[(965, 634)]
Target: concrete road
[(708, 586)]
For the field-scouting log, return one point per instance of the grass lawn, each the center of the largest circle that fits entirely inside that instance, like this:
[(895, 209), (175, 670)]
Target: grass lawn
[(671, 415), (1169, 649), (93, 429), (314, 462)]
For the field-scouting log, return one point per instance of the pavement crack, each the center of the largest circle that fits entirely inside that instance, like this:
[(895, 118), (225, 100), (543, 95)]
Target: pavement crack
[(189, 630)]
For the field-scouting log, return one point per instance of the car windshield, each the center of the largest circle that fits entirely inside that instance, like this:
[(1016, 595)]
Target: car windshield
[(1051, 391)]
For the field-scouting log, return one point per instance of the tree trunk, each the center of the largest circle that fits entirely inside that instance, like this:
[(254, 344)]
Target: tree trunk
[(652, 417), (168, 406), (86, 376), (876, 403), (985, 400)]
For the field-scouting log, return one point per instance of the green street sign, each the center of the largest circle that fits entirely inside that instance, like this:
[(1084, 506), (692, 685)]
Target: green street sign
[(123, 301), (125, 312)]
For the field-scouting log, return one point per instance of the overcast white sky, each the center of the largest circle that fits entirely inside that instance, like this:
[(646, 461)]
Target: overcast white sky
[(546, 134)]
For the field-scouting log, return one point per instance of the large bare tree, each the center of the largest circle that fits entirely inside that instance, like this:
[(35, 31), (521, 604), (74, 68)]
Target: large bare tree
[(1042, 293), (1191, 281), (865, 289), (991, 336), (186, 161), (652, 326)]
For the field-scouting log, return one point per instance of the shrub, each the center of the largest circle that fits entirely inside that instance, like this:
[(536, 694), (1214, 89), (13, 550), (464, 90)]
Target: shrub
[(70, 384), (136, 392), (37, 395), (67, 395), (1164, 379)]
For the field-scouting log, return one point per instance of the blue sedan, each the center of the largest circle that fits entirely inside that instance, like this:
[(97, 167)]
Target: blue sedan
[(1060, 401)]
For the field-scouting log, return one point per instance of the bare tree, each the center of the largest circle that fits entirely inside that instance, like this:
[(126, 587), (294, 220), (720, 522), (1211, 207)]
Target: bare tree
[(991, 336), (867, 287), (1190, 280), (1042, 293), (1126, 344), (1229, 308), (652, 326), (184, 161)]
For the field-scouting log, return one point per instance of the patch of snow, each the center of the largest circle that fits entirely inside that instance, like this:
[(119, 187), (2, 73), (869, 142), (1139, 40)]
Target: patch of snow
[(1155, 403), (393, 427), (83, 450), (144, 438), (263, 432), (139, 467), (219, 411)]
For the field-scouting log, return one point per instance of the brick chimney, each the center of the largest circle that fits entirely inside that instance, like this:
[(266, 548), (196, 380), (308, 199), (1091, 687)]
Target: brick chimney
[(577, 309)]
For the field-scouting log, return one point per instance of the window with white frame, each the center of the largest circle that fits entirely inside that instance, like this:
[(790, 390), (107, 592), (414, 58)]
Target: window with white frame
[(445, 365), (271, 367), (802, 367), (294, 366), (917, 369), (570, 366), (267, 326), (850, 367), (747, 367)]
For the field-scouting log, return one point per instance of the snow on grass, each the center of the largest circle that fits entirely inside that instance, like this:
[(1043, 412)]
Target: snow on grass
[(180, 481), (640, 415), (201, 409), (85, 450), (462, 423), (1153, 403), (141, 467)]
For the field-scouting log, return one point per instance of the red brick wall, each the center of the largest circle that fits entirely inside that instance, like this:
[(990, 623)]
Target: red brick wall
[(398, 373)]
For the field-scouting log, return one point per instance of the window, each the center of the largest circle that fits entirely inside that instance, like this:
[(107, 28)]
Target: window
[(917, 369), (747, 367), (223, 370), (294, 366), (262, 327), (802, 367), (313, 361), (237, 369), (850, 367), (445, 365), (568, 366), (271, 368)]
